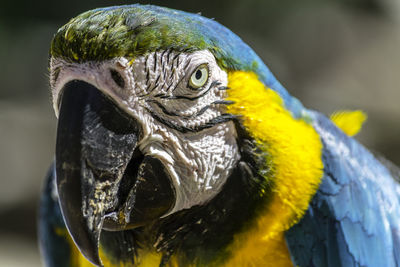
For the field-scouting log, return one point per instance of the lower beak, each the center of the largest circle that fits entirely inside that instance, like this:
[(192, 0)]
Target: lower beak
[(103, 180)]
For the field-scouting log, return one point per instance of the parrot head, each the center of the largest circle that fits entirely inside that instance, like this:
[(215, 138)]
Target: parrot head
[(144, 128)]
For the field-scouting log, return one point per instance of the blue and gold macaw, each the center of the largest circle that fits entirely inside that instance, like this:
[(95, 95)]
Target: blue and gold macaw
[(176, 146)]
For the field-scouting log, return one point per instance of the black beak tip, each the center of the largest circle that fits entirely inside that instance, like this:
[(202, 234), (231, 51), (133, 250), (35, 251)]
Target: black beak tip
[(85, 239), (90, 250), (95, 259), (92, 255)]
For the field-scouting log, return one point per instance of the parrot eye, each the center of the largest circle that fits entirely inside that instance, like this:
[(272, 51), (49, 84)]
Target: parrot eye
[(199, 77)]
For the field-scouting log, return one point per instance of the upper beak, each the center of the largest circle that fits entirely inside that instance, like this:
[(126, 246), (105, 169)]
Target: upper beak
[(103, 180)]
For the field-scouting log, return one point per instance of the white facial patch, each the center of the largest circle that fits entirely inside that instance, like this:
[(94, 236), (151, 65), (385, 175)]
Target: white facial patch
[(183, 126)]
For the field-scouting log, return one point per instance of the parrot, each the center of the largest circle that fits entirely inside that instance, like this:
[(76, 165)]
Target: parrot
[(177, 146)]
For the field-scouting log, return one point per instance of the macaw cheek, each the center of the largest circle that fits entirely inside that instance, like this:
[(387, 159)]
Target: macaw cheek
[(151, 196)]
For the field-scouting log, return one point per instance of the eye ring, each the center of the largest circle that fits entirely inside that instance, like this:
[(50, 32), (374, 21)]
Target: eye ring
[(199, 77)]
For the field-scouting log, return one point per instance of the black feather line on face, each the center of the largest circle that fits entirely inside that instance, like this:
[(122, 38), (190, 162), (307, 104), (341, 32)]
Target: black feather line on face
[(169, 86), (187, 63), (155, 62), (197, 114), (169, 54), (162, 57), (146, 68), (183, 129), (223, 102), (177, 60), (172, 74), (178, 83), (163, 109)]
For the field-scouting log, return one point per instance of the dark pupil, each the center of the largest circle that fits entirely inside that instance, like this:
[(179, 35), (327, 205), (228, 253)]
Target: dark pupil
[(198, 74)]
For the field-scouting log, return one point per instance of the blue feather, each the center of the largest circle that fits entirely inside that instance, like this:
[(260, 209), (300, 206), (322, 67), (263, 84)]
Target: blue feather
[(354, 218)]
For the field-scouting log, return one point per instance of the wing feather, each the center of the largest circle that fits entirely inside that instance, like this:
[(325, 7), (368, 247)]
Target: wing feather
[(354, 219)]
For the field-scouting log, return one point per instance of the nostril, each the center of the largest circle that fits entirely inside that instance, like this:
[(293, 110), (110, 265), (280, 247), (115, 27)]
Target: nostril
[(116, 76)]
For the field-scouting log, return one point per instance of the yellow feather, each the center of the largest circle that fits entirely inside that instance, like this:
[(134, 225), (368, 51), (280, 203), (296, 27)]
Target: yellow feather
[(295, 150), (146, 259), (77, 259), (348, 121)]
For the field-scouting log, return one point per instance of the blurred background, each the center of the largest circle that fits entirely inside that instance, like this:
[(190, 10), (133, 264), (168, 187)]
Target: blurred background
[(331, 54)]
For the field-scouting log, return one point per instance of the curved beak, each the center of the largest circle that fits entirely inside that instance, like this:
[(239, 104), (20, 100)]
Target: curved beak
[(103, 180)]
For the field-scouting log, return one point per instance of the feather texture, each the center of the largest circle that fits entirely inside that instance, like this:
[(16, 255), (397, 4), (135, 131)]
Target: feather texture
[(354, 219), (349, 122)]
